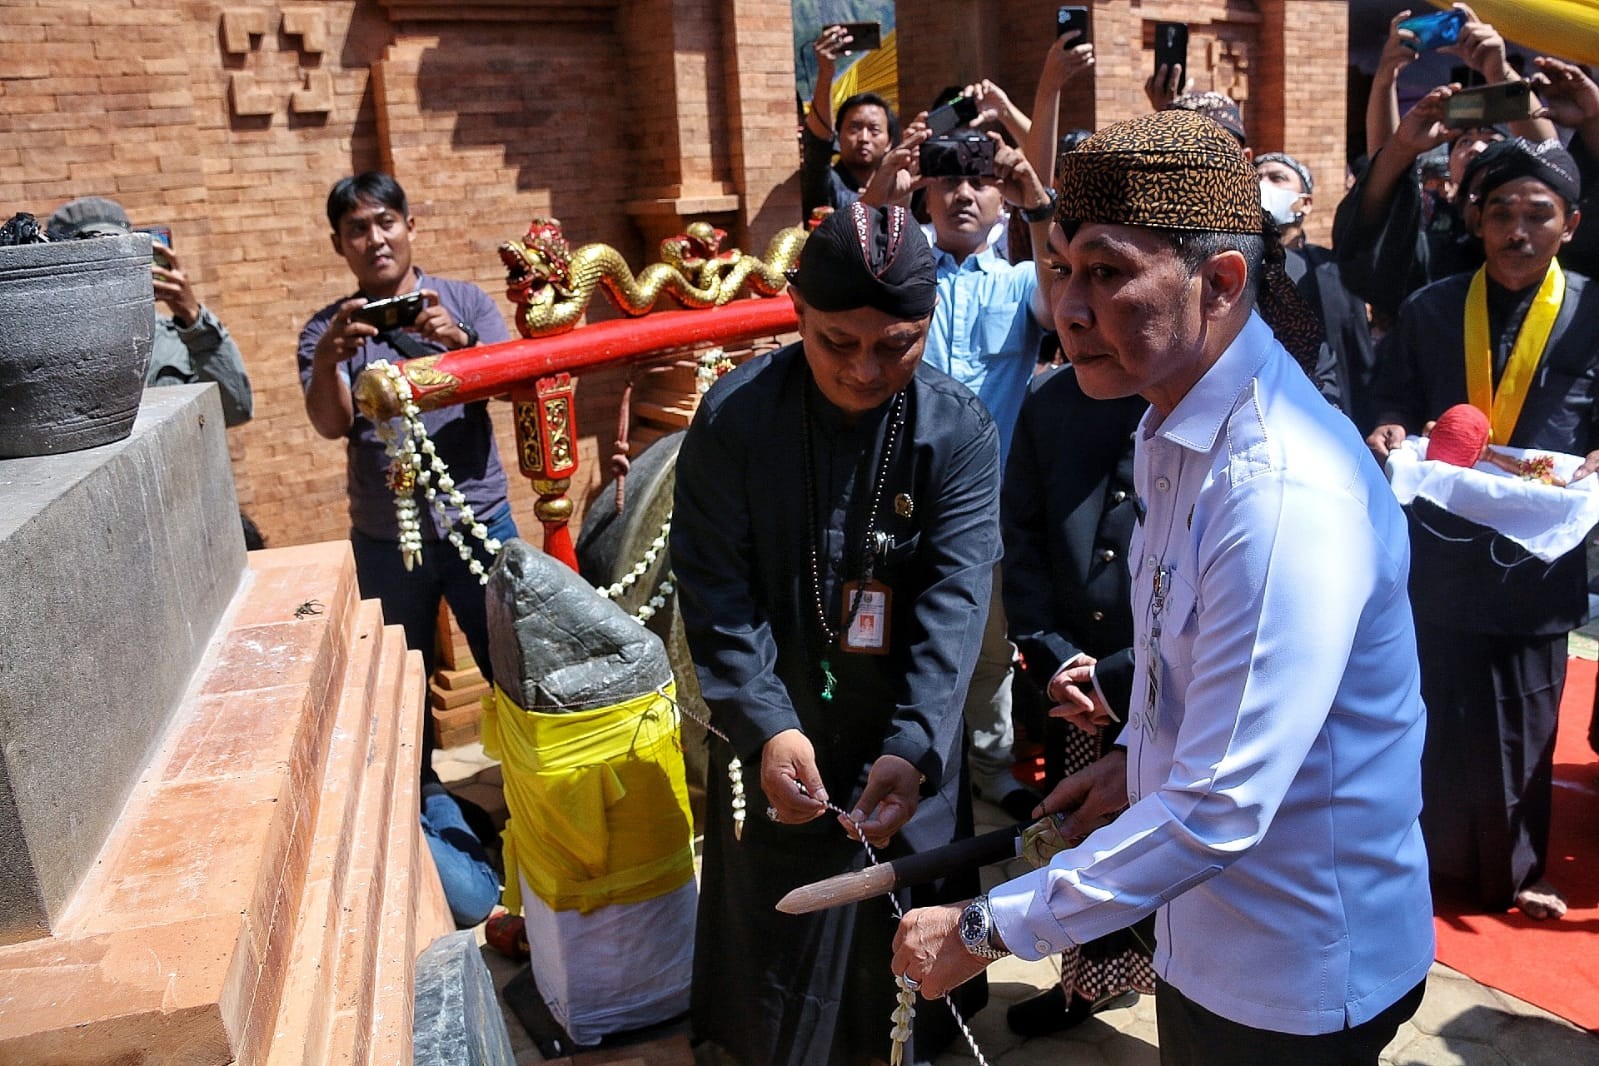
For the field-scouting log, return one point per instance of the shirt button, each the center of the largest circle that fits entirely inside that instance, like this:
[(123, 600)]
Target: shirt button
[(1132, 797), (1042, 946), (1107, 555), (1136, 720), (1163, 483), (1152, 562), (1098, 616), (1118, 496)]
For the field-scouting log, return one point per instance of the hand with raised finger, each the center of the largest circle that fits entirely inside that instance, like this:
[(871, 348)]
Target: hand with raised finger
[(1570, 96), (344, 335), (1396, 53), (1422, 127), (172, 286), (928, 950)]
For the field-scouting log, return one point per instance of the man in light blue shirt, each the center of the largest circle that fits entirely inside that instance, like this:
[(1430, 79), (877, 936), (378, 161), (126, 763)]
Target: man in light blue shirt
[(1272, 759), (985, 333)]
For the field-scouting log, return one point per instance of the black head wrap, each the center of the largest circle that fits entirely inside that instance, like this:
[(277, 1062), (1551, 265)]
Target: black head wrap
[(1505, 161), (1178, 170), (863, 256)]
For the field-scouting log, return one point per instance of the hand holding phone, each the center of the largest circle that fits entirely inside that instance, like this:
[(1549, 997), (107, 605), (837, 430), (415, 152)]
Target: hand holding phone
[(1068, 19), (962, 155), (1436, 29), (863, 36), (396, 312), (952, 116)]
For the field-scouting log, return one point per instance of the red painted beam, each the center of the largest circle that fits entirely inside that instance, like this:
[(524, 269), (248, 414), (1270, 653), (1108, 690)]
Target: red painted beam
[(493, 369)]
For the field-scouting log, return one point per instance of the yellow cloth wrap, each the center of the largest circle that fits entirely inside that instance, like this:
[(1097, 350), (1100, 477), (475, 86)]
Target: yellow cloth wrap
[(598, 801), (1503, 405)]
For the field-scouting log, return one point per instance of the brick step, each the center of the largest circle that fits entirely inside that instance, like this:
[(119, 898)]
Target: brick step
[(450, 699), (458, 679), (180, 936), (361, 916), (303, 1007), (390, 1026)]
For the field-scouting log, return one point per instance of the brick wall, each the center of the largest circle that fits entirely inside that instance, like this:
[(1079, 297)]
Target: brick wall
[(1292, 104), (230, 122)]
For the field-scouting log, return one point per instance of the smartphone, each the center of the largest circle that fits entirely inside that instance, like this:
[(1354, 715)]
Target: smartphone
[(1072, 18), (1171, 47), (397, 312), (160, 238), (864, 36), (952, 116), (1489, 105), (1433, 30), (964, 155)]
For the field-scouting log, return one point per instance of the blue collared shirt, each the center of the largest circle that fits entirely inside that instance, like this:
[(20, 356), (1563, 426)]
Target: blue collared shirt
[(1274, 737), (983, 333)]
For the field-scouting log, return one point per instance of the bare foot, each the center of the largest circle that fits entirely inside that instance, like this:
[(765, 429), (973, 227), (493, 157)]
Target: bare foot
[(1541, 900)]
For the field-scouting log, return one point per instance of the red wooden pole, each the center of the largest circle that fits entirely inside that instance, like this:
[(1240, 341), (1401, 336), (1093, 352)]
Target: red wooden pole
[(537, 373)]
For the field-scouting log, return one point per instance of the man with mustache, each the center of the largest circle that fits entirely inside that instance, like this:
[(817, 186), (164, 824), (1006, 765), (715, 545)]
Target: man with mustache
[(1272, 744), (1519, 339)]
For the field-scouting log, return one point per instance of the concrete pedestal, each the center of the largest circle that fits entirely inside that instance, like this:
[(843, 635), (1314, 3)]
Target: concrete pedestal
[(116, 563)]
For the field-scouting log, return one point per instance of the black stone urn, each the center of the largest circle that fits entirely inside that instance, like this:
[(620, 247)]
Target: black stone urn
[(76, 322)]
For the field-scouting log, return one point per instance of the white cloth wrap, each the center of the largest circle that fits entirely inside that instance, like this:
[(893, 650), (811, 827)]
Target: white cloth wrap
[(1547, 520)]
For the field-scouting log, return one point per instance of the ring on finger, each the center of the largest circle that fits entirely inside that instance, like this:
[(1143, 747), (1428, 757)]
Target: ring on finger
[(910, 982), (771, 814)]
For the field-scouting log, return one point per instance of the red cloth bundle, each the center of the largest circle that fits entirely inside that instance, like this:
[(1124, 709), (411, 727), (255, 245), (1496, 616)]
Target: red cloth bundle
[(1458, 436)]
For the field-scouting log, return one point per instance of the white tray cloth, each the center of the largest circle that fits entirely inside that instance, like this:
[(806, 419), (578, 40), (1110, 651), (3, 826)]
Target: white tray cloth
[(1546, 520)]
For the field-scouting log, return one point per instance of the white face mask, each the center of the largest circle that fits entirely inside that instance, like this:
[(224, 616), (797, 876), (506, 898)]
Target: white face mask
[(1279, 203)]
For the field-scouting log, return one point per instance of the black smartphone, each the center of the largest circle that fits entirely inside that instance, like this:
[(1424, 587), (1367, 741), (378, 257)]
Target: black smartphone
[(1171, 47), (1489, 105), (864, 36), (952, 116), (963, 155), (397, 312), (1072, 18), (160, 239)]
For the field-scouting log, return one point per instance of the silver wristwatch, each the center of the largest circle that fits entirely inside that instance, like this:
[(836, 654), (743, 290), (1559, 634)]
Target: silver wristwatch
[(977, 930)]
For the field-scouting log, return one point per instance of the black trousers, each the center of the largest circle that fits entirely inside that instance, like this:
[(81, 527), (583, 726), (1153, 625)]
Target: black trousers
[(1493, 703), (1190, 1035)]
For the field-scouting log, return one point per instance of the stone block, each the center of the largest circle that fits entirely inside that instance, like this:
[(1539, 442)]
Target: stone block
[(117, 563), (457, 1016)]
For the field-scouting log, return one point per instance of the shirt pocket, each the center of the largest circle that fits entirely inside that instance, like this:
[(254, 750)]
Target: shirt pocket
[(998, 333)]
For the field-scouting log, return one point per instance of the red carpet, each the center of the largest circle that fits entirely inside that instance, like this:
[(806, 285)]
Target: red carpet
[(1554, 964)]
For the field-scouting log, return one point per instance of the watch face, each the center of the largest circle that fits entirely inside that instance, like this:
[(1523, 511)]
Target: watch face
[(974, 925)]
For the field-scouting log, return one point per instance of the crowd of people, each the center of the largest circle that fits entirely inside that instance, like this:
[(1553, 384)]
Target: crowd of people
[(1118, 438), (1085, 418)]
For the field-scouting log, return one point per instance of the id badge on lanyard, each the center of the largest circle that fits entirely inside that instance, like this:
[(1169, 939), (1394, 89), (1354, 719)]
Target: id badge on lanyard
[(867, 608), (1157, 608)]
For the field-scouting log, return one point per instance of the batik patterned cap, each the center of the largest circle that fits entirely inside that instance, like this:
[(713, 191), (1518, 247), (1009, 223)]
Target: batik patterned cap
[(1177, 170), (1167, 169)]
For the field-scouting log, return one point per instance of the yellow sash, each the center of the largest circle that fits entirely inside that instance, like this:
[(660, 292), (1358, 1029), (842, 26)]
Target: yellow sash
[(1503, 405)]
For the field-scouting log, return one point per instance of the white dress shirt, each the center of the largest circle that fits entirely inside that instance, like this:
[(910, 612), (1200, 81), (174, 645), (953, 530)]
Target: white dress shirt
[(1275, 731)]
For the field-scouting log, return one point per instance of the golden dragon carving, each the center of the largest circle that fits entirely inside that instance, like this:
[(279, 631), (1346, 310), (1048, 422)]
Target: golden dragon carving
[(551, 283)]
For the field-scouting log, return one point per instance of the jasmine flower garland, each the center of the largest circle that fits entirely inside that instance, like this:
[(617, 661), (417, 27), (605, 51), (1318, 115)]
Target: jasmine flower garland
[(406, 444)]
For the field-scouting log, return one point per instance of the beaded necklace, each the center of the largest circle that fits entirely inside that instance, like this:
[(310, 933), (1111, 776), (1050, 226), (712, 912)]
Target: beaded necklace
[(872, 542)]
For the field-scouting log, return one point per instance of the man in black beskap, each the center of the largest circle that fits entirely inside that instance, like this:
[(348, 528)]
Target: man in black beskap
[(1518, 339), (840, 460)]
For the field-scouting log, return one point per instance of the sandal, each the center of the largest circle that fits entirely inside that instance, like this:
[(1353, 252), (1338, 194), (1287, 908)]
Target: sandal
[(1541, 900)]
